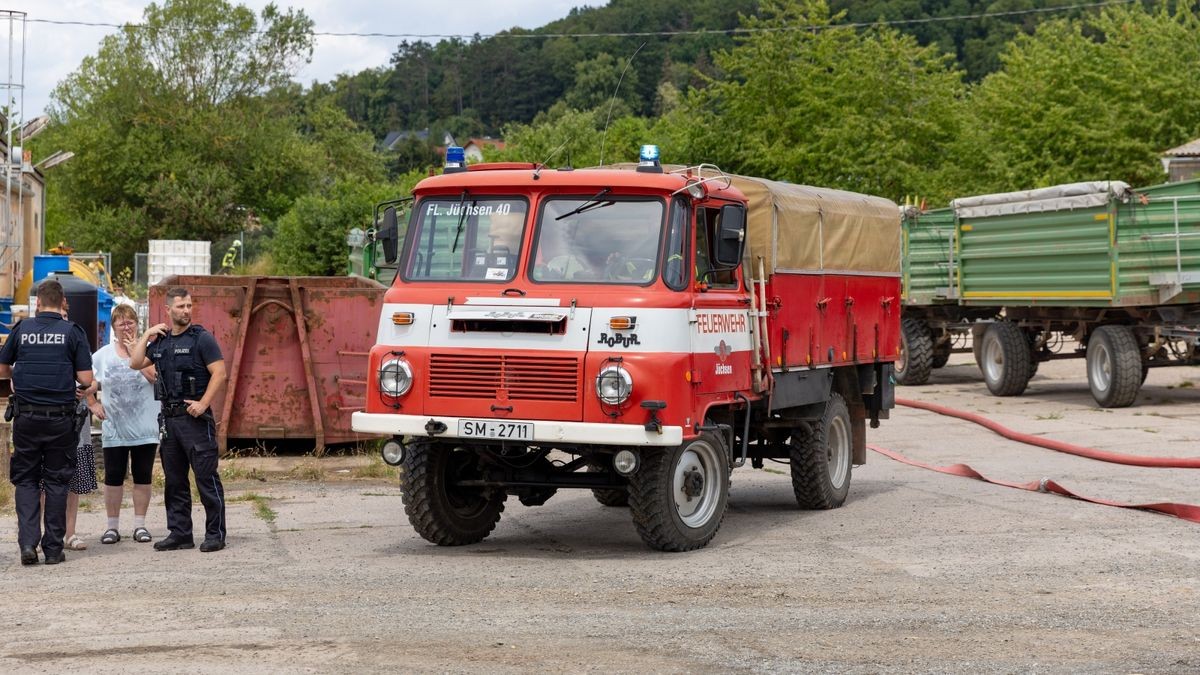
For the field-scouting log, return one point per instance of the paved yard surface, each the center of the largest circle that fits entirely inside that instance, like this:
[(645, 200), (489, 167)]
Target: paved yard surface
[(919, 572)]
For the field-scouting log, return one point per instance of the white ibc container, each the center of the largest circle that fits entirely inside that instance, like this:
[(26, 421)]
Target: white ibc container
[(177, 256)]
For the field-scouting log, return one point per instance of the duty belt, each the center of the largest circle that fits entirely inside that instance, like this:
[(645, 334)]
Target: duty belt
[(174, 409), (48, 410)]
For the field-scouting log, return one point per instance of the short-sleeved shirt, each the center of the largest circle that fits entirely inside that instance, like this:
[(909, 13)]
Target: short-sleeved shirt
[(45, 352), (204, 352), (130, 409)]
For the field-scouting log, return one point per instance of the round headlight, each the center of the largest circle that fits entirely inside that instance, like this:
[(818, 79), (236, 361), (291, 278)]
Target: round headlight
[(395, 377), (625, 462), (614, 385), (393, 452)]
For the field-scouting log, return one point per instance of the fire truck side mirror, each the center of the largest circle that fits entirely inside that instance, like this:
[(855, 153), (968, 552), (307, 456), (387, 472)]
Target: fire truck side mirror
[(387, 234), (731, 236)]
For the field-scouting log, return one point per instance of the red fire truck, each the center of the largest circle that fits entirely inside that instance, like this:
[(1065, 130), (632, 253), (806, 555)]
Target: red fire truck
[(638, 331)]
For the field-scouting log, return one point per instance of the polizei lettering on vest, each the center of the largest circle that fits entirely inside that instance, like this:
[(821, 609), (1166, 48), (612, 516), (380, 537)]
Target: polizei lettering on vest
[(721, 323), (43, 339)]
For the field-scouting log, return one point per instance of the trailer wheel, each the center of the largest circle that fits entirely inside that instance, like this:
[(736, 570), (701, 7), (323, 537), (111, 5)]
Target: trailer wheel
[(608, 496), (820, 459), (439, 510), (977, 332), (916, 353), (1007, 361), (679, 495), (941, 355), (1114, 366)]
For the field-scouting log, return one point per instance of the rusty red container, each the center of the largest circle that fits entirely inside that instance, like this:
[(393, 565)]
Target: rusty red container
[(295, 352)]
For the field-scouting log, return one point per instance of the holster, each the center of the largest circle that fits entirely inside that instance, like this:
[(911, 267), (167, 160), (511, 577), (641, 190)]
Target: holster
[(11, 411), (82, 416)]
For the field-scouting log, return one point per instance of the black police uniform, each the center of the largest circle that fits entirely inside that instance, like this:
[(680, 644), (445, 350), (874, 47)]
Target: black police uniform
[(45, 352), (181, 362)]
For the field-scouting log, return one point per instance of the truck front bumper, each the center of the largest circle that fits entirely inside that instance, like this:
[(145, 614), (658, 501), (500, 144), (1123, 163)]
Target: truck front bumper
[(545, 432)]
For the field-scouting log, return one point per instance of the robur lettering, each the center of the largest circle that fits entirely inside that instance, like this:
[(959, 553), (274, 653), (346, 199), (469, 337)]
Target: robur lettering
[(625, 341)]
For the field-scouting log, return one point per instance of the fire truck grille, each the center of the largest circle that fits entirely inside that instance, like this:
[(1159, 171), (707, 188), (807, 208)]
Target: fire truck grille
[(525, 378)]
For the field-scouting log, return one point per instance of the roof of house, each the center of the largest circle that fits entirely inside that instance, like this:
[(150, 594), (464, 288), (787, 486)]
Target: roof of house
[(1189, 149)]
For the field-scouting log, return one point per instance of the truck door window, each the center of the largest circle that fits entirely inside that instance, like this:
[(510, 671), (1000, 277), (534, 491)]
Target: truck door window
[(466, 239), (675, 268), (615, 241), (707, 219)]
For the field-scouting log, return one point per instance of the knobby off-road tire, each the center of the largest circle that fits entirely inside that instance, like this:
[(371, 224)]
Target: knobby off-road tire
[(608, 496), (821, 459), (679, 495), (916, 353), (941, 355), (440, 512), (1114, 366), (1007, 362)]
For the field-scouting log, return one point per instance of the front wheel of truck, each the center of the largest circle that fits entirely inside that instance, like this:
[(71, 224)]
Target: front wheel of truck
[(441, 510), (679, 495)]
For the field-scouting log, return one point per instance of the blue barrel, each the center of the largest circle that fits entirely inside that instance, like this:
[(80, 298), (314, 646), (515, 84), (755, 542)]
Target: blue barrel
[(5, 315), (104, 308), (43, 265)]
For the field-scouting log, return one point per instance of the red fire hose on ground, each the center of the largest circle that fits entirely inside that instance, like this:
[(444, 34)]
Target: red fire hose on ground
[(1189, 512)]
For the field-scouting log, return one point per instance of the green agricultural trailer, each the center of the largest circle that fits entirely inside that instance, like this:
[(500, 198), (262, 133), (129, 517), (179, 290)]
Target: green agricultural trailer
[(1114, 268)]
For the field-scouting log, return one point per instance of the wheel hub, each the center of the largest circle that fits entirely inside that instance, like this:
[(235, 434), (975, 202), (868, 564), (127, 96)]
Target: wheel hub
[(693, 483)]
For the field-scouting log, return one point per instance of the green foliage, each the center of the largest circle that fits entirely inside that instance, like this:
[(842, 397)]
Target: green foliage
[(179, 130), (870, 111), (1094, 99), (563, 136), (310, 240)]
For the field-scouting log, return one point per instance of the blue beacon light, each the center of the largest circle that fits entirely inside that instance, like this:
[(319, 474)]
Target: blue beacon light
[(456, 160), (648, 159)]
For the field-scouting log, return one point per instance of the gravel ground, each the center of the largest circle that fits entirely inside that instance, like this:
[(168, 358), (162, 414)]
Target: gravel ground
[(919, 572)]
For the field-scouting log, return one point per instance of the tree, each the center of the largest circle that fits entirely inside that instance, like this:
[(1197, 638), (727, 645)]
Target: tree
[(311, 238), (1096, 98), (173, 134), (870, 111), (563, 136)]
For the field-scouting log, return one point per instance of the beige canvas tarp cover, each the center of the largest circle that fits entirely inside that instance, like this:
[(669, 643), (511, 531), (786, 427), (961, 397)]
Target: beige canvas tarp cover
[(798, 228)]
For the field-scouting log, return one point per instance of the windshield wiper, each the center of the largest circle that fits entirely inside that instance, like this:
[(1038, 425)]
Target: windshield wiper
[(593, 203), (462, 215)]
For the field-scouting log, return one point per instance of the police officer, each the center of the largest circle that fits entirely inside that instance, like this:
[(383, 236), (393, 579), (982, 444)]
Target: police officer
[(45, 356), (191, 372)]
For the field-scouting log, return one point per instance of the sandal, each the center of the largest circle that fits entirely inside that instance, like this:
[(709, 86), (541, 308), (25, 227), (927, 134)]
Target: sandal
[(141, 534), (75, 543), (110, 537)]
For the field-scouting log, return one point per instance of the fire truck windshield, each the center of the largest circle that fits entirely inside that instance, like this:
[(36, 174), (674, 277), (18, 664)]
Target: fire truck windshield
[(615, 241), (466, 238)]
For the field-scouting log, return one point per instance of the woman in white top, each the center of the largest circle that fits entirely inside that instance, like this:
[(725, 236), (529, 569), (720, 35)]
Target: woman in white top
[(130, 425)]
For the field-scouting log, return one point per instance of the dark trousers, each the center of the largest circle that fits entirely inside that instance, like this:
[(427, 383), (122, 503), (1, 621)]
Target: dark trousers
[(43, 452), (191, 442)]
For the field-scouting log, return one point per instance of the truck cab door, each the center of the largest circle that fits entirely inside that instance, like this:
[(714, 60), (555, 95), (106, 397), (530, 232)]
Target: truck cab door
[(720, 314)]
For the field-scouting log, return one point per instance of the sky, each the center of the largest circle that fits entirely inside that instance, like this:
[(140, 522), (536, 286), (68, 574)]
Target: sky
[(54, 51)]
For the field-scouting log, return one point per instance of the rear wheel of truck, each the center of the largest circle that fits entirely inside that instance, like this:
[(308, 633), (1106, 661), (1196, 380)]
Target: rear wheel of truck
[(1007, 362), (916, 353), (977, 331), (821, 458), (439, 509), (679, 495), (1114, 366), (608, 496)]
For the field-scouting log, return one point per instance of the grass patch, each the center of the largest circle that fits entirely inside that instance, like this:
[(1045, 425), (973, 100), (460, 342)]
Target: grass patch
[(6, 495), (376, 468), (310, 471), (777, 471), (232, 469), (1050, 416), (262, 505)]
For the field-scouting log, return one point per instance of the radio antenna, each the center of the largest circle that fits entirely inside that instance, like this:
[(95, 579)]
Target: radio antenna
[(613, 99), (553, 153)]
